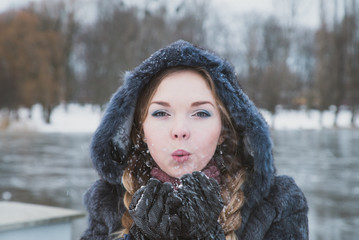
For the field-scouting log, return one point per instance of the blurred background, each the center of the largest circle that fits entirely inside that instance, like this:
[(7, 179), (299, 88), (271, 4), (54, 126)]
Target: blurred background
[(298, 60)]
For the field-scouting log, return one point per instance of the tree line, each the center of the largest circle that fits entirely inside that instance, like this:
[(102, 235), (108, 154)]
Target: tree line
[(51, 56)]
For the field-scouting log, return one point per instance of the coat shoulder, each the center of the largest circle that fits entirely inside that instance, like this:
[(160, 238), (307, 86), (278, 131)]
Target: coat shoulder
[(102, 198), (105, 208), (282, 214), (286, 197)]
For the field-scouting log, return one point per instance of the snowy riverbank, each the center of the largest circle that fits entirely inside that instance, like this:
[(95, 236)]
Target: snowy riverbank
[(85, 118), (73, 119)]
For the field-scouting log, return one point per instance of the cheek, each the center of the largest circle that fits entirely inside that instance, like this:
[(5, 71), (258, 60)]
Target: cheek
[(209, 133), (155, 140), (153, 133), (206, 139)]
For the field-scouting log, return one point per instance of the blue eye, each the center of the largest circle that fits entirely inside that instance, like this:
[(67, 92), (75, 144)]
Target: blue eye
[(202, 114), (160, 113)]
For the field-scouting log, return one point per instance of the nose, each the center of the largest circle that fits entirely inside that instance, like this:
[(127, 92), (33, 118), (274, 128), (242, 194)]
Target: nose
[(180, 130)]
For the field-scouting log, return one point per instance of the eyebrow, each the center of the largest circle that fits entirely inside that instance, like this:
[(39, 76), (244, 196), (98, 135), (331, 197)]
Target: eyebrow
[(194, 104), (165, 104), (199, 103)]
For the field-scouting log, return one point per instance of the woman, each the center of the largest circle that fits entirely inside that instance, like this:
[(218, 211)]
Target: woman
[(182, 153)]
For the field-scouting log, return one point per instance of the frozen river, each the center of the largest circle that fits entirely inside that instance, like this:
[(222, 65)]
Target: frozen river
[(55, 169)]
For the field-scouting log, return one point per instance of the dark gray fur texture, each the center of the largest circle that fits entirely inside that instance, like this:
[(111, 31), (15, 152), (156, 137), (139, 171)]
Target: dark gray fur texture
[(275, 207)]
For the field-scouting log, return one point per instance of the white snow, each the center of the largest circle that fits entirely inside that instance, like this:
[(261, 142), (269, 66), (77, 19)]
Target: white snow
[(85, 119), (73, 119), (308, 119)]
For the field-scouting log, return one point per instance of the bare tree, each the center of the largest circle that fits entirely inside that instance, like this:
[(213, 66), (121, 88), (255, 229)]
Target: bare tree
[(335, 47), (57, 18), (108, 49), (350, 23), (125, 35), (31, 56), (277, 77), (254, 61)]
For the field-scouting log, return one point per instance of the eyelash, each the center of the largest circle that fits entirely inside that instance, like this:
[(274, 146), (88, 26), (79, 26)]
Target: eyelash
[(202, 114), (160, 113)]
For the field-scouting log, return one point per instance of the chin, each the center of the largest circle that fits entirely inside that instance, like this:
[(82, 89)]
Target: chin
[(177, 175), (180, 170), (180, 174)]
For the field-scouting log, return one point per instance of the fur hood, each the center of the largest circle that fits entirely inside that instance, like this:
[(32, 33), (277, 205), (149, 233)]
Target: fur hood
[(112, 135)]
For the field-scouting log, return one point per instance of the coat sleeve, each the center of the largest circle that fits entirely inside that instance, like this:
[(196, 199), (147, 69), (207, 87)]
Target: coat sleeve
[(105, 208), (290, 205)]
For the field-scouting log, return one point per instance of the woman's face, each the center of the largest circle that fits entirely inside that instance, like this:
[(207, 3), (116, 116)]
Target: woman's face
[(183, 124)]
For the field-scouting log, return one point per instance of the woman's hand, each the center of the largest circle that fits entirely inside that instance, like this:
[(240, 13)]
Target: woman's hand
[(202, 205), (153, 210)]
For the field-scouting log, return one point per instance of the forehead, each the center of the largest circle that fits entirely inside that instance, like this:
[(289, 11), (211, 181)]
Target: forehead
[(183, 84)]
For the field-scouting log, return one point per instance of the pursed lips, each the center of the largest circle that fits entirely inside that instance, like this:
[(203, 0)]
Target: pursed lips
[(181, 155)]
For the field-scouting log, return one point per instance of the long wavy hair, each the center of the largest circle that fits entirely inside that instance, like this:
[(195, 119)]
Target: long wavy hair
[(140, 162)]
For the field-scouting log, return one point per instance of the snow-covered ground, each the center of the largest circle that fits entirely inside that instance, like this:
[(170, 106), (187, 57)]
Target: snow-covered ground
[(85, 118), (308, 119), (73, 119)]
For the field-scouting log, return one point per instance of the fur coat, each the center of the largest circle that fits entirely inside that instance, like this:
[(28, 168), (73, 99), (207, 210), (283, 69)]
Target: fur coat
[(275, 208)]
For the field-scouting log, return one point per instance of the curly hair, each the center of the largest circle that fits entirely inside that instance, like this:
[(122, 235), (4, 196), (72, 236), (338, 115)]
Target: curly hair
[(139, 160)]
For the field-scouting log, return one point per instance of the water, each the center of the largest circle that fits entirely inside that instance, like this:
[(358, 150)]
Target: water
[(55, 169), (325, 165), (49, 169)]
